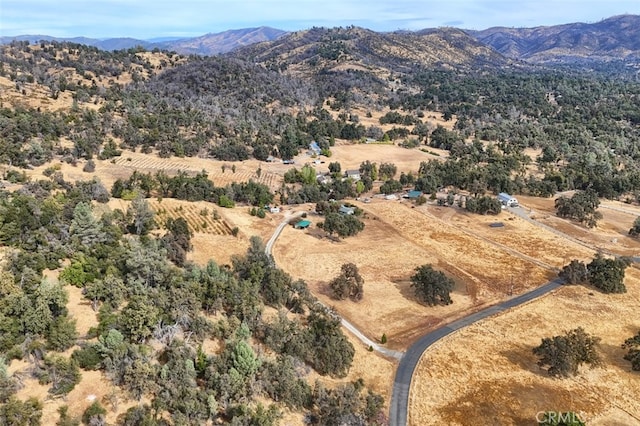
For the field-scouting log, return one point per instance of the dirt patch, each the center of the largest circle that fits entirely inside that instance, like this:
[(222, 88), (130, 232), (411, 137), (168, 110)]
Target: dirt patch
[(80, 309)]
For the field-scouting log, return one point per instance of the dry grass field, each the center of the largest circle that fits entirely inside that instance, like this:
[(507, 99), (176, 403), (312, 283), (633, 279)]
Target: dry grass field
[(396, 240), (611, 234), (488, 372)]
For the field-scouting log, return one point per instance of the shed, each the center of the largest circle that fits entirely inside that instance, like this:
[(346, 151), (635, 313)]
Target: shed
[(315, 148), (303, 224), (507, 200), (413, 194), (353, 174)]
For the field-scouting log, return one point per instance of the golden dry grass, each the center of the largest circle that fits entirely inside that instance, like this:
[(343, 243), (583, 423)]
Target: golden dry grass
[(396, 240), (488, 372)]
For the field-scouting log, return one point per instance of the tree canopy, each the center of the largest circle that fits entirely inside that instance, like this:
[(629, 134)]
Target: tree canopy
[(431, 286), (349, 284), (562, 355)]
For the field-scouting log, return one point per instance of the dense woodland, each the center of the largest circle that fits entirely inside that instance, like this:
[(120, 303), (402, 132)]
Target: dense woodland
[(587, 125), (144, 293)]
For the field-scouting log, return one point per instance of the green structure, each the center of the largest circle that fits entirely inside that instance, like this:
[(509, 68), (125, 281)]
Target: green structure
[(302, 224)]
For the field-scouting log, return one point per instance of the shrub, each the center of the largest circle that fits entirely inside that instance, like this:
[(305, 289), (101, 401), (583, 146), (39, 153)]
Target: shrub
[(225, 201), (89, 166), (87, 358), (94, 414)]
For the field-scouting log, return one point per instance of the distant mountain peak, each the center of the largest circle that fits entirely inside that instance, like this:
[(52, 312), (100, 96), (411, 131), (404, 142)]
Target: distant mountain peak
[(617, 37)]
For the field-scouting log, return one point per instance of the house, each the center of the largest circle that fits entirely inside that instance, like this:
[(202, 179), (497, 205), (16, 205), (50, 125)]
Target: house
[(507, 200), (353, 174), (412, 195), (274, 209), (346, 210), (314, 148), (303, 224)]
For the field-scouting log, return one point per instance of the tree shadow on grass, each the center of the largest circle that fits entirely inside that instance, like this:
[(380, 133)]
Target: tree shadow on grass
[(524, 358), (405, 289)]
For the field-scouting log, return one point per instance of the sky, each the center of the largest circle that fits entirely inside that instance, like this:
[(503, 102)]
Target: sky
[(146, 19)]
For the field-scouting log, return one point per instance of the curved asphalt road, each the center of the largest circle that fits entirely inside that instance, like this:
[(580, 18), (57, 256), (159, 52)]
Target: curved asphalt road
[(400, 398)]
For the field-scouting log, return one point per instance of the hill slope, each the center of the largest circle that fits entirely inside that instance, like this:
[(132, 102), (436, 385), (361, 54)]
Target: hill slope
[(617, 37), (360, 48), (211, 44)]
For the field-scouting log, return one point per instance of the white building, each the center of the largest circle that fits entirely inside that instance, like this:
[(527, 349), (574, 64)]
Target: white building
[(507, 200)]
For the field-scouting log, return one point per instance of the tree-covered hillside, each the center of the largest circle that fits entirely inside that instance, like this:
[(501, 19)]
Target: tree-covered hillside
[(154, 315), (585, 124)]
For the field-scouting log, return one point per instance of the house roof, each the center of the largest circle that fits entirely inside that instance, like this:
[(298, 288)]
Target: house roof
[(347, 210)]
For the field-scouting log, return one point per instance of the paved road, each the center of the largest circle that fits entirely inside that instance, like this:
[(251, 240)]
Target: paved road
[(400, 399), (346, 324)]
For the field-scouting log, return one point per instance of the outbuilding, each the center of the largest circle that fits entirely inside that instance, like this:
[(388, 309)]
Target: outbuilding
[(507, 200), (303, 224), (353, 174), (346, 210), (412, 195)]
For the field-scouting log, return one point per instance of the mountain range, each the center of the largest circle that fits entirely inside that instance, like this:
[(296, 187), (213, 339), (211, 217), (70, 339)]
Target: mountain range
[(615, 38), (207, 44)]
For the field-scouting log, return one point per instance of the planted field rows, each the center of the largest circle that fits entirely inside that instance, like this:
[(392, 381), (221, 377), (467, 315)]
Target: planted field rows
[(271, 180), (200, 220), (172, 166)]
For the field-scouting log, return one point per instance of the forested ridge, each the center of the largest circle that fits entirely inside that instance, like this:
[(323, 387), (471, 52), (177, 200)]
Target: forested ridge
[(586, 123), (69, 102)]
